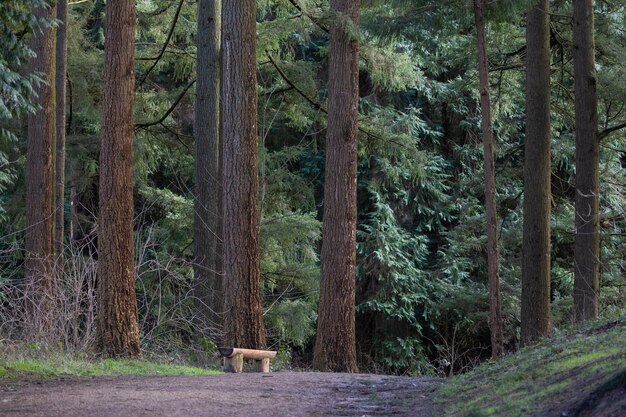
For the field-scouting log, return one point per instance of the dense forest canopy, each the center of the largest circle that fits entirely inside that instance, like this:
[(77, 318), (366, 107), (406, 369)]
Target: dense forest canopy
[(421, 295)]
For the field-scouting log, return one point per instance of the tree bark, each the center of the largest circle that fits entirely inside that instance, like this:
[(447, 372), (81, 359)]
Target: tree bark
[(117, 327), (61, 82), (38, 237), (495, 314), (587, 238), (535, 312), (207, 180), (335, 344), (243, 321)]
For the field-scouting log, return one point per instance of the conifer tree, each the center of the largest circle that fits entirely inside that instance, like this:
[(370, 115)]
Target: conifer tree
[(61, 80), (117, 330), (335, 348), (495, 310), (243, 320), (587, 237), (38, 238), (535, 315), (207, 278)]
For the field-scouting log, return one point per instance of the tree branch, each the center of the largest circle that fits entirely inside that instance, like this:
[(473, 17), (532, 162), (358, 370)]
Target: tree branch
[(606, 132), (318, 106), (295, 87), (167, 41), (313, 19), (279, 91), (168, 112), (514, 65)]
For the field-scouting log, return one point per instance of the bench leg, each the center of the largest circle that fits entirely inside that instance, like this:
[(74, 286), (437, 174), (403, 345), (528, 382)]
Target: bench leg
[(234, 364), (262, 366)]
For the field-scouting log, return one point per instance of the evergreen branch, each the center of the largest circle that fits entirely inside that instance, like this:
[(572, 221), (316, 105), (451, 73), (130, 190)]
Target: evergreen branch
[(176, 135), (165, 44), (315, 20), (168, 112), (521, 52), (567, 17), (160, 11), (295, 87), (514, 65), (606, 132), (614, 149), (558, 38), (321, 108), (279, 91)]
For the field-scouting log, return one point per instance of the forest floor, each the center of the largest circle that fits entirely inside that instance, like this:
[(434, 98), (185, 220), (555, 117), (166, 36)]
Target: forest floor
[(576, 373), (247, 394)]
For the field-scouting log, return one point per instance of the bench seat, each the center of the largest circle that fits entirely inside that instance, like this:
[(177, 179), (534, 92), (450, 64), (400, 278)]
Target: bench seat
[(234, 357)]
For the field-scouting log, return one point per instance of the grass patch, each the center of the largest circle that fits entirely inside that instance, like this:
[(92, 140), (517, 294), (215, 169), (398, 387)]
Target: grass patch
[(558, 371), (46, 364)]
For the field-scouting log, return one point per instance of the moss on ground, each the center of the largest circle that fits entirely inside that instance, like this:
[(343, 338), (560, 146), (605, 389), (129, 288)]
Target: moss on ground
[(559, 372)]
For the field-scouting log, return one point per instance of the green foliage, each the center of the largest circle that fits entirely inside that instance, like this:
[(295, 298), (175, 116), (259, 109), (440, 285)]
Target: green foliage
[(208, 346), (395, 286), (292, 321), (289, 263), (16, 85), (422, 295), (16, 21), (421, 266)]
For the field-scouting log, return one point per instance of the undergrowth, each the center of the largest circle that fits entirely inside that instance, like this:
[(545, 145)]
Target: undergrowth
[(554, 375)]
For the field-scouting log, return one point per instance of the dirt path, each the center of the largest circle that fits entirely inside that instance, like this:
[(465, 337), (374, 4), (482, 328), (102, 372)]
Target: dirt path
[(248, 394)]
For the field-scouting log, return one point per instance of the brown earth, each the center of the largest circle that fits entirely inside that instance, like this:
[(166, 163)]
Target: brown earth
[(248, 394)]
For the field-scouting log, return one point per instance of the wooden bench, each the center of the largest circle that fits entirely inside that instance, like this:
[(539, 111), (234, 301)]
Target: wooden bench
[(233, 359)]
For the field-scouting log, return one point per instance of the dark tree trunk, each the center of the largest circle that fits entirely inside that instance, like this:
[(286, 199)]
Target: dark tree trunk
[(61, 82), (536, 241), (335, 348), (587, 239), (38, 237), (117, 327), (495, 314), (243, 320), (207, 181)]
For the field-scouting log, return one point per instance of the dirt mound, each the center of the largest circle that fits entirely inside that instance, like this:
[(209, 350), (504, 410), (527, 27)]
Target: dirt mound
[(607, 401)]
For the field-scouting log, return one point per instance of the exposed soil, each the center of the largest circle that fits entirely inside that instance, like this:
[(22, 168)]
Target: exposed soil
[(609, 400), (248, 394)]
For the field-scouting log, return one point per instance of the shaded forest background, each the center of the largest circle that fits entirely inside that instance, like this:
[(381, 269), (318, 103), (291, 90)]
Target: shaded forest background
[(421, 291)]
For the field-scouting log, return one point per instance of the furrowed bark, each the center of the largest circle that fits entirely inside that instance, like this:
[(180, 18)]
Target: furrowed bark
[(335, 344), (117, 327)]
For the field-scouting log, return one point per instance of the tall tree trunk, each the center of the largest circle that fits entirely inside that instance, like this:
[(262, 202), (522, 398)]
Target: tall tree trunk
[(335, 344), (39, 299), (61, 81), (495, 313), (587, 239), (243, 321), (207, 181), (537, 171), (117, 327)]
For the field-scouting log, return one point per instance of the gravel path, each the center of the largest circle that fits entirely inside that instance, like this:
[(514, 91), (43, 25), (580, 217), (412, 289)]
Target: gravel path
[(248, 394)]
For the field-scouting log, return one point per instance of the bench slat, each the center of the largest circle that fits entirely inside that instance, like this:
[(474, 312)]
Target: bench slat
[(247, 353)]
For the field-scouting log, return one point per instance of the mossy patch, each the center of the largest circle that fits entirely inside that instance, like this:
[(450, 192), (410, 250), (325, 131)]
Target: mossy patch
[(558, 372)]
